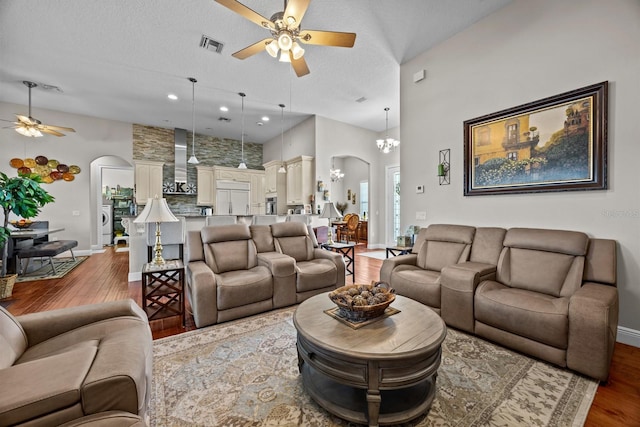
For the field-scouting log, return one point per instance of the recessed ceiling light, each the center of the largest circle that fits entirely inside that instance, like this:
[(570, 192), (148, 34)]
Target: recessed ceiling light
[(172, 97), (259, 123), (265, 119), (223, 108)]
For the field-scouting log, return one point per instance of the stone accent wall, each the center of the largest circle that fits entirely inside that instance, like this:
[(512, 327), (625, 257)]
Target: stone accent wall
[(157, 144)]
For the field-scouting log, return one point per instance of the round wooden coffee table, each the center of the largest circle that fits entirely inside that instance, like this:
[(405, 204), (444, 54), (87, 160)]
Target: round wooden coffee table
[(379, 374)]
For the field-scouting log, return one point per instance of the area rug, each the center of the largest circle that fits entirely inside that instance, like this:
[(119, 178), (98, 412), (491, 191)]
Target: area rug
[(375, 254), (63, 267), (245, 373)]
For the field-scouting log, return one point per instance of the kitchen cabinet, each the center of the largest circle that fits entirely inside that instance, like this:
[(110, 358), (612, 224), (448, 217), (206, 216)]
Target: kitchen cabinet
[(300, 185), (206, 188), (148, 180), (275, 184), (257, 193)]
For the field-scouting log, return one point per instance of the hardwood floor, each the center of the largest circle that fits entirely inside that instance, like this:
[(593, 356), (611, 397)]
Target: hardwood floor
[(103, 277)]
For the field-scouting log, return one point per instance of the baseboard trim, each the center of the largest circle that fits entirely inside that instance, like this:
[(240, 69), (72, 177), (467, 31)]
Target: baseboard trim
[(136, 276), (628, 336)]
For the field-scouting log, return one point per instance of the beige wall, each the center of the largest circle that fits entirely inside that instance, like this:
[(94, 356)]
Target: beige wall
[(524, 52)]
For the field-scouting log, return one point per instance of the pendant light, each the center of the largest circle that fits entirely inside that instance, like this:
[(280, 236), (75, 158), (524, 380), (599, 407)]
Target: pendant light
[(282, 169), (242, 164), (388, 144), (193, 160)]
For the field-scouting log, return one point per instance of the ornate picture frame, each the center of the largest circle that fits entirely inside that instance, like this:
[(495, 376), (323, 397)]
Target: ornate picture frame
[(553, 144)]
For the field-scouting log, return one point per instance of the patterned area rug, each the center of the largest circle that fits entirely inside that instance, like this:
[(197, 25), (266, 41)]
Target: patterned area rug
[(245, 373), (63, 266)]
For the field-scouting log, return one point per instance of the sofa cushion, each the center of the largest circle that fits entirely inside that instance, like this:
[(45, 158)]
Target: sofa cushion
[(13, 340), (230, 256), (238, 288), (262, 237), (418, 284), (532, 315), (600, 262), (315, 274), (435, 255), (560, 241), (41, 386), (299, 248)]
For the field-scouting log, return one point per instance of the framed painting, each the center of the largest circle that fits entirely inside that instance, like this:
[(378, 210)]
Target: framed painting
[(554, 144)]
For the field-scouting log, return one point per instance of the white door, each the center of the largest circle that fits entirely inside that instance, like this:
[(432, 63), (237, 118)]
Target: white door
[(239, 202), (393, 204)]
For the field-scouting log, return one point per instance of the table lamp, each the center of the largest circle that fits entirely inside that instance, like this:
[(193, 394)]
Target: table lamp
[(156, 211), (329, 211)]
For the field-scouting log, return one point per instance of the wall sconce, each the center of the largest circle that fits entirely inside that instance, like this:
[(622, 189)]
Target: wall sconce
[(444, 166)]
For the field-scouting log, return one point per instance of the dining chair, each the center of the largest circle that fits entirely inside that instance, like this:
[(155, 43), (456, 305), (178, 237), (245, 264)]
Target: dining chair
[(352, 227), (341, 230)]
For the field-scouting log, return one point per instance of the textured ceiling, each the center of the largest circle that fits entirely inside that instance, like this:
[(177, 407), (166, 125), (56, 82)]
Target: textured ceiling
[(119, 59)]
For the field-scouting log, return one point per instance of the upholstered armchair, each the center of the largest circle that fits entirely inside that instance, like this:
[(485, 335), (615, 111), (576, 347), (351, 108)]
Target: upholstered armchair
[(224, 279), (317, 270), (63, 365), (417, 275), (554, 297)]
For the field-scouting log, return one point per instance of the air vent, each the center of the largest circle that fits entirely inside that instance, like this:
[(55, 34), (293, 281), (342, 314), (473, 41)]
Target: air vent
[(208, 43), (224, 119), (361, 99)]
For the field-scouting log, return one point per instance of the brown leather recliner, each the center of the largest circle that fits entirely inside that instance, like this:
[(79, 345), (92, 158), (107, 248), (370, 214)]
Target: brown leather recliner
[(417, 275), (317, 270), (62, 365)]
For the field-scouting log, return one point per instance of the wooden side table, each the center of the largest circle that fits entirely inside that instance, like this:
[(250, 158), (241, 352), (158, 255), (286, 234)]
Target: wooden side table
[(163, 290), (348, 253)]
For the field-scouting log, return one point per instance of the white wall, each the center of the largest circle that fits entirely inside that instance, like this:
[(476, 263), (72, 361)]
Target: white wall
[(524, 52), (298, 141), (114, 177), (93, 138)]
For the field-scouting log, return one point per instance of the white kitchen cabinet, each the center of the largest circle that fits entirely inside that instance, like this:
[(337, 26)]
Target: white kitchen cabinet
[(232, 198), (300, 185), (148, 180), (275, 183), (206, 186), (257, 193)]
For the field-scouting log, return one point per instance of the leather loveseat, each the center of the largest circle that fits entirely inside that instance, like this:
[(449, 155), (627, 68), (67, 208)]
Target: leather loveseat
[(547, 293), (77, 364), (235, 270)]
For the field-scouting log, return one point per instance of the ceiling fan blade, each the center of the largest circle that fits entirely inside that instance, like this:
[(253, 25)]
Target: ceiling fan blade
[(295, 9), (328, 38), (299, 65), (26, 120), (51, 127), (51, 132), (10, 121), (252, 50), (248, 13)]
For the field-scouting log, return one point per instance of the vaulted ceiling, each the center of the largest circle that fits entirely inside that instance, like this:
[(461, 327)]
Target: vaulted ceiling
[(119, 59)]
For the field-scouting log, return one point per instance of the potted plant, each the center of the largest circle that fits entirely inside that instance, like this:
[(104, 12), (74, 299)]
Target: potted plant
[(23, 196), (342, 206)]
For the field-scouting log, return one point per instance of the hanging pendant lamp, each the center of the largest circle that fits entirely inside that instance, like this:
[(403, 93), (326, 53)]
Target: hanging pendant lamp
[(282, 169), (242, 164), (193, 160), (387, 144)]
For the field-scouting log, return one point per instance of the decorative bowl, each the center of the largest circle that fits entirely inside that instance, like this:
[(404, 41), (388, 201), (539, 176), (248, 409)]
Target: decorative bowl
[(349, 307), (23, 223)]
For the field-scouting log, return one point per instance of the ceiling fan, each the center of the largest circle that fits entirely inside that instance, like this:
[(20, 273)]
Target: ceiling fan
[(28, 126), (286, 33)]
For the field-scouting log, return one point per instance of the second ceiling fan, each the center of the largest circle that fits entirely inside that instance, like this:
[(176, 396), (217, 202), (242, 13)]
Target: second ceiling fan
[(286, 33)]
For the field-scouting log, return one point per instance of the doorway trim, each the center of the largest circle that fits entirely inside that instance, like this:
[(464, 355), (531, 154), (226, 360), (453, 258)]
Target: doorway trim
[(390, 171)]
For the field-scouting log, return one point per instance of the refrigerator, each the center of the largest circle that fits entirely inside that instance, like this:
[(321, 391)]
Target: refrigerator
[(232, 198)]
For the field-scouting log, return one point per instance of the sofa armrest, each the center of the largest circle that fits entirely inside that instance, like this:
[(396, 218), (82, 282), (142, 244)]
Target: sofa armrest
[(44, 325), (283, 270), (593, 326), (458, 286), (390, 263), (337, 259), (201, 286)]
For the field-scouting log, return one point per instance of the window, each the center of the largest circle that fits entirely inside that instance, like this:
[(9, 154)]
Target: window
[(364, 198), (512, 133), (513, 155)]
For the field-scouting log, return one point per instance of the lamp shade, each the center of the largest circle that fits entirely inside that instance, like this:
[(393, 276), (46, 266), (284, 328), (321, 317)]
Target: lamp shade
[(330, 211), (156, 210)]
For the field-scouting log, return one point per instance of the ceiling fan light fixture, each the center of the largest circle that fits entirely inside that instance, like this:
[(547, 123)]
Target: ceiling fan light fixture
[(297, 51), (285, 41), (31, 132), (284, 56), (272, 48)]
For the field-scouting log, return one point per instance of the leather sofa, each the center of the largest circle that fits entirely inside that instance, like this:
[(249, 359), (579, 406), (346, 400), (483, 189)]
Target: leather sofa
[(235, 270), (82, 363), (547, 293)]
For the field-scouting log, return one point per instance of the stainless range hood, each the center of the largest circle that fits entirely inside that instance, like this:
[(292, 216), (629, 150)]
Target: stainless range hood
[(180, 145)]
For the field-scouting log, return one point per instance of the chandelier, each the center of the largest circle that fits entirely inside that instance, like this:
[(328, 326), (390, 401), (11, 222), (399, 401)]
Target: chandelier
[(387, 144), (334, 173)]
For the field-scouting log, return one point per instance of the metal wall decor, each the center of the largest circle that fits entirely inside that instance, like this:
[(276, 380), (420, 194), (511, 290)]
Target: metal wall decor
[(444, 178), (50, 170)]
